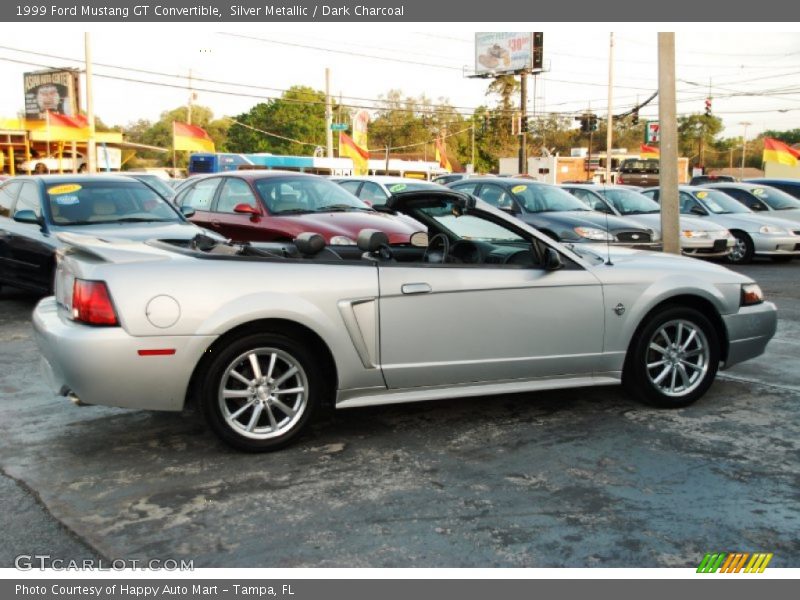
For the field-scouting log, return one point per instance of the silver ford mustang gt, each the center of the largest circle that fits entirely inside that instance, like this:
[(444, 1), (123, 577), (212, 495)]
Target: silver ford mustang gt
[(261, 335)]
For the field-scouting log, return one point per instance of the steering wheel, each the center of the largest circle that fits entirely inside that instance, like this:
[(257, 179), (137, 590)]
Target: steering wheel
[(433, 254)]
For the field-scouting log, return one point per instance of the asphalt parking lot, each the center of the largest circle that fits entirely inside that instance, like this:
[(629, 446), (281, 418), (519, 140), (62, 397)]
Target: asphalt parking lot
[(570, 478)]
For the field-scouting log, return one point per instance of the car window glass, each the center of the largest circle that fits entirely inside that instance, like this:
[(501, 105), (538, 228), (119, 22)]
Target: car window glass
[(651, 194), (350, 186), (496, 196), (468, 188), (7, 195), (588, 198), (686, 203), (234, 192), (201, 195), (774, 198), (305, 194), (29, 199), (745, 198), (373, 193)]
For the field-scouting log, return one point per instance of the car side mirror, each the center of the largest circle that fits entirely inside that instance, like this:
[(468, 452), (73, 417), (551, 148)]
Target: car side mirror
[(696, 210), (552, 260), (27, 216), (245, 209), (187, 211)]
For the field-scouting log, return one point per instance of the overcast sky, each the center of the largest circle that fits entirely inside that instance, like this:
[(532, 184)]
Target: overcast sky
[(366, 61)]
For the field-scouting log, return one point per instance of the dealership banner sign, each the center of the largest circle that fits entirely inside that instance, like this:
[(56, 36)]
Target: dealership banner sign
[(54, 91)]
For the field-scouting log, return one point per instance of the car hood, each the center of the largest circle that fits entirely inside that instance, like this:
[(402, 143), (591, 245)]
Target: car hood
[(646, 265), (653, 221), (138, 231), (792, 214), (349, 224)]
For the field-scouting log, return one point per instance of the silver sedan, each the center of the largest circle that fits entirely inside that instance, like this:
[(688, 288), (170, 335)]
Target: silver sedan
[(259, 336), (756, 234)]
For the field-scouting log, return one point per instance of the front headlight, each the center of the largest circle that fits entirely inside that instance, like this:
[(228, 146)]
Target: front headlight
[(592, 233), (751, 294), (772, 230), (342, 240), (692, 233)]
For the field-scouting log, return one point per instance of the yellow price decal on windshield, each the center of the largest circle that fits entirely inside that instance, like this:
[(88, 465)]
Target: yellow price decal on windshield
[(702, 195), (67, 188), (759, 192), (518, 189), (398, 187)]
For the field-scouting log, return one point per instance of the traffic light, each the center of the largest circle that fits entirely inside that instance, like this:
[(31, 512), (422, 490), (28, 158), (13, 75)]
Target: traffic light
[(635, 116), (524, 125), (538, 49), (708, 107), (592, 122), (584, 124)]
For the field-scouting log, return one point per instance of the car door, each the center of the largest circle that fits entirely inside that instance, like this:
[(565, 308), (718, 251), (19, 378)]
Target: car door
[(31, 247), (240, 227), (452, 323), (8, 195), (200, 197)]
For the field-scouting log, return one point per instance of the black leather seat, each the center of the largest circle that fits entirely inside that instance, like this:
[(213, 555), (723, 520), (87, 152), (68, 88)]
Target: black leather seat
[(312, 245), (375, 245)]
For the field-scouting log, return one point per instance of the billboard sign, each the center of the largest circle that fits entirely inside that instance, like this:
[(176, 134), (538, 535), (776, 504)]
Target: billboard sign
[(497, 53), (55, 90)]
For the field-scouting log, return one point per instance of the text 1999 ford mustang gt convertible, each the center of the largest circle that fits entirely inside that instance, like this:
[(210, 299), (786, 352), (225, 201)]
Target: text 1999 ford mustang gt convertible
[(260, 335)]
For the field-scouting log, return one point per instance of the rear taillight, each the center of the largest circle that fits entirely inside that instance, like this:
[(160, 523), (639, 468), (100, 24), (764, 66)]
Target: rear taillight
[(620, 179), (92, 304)]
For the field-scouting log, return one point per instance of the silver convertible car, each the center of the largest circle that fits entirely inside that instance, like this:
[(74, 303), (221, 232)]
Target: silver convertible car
[(261, 335)]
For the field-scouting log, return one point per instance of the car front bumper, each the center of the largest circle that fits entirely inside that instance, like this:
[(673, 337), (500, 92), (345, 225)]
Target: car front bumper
[(707, 247), (102, 365), (776, 245), (749, 331)]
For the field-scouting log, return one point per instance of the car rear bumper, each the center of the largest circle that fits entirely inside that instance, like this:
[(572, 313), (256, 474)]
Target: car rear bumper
[(749, 331), (102, 365)]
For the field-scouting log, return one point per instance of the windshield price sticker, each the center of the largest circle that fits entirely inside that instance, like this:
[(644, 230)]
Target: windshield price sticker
[(518, 189), (67, 200), (67, 188), (398, 187)]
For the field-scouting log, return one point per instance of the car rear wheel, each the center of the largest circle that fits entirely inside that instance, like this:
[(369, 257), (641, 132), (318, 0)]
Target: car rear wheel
[(743, 249), (673, 360), (260, 391)]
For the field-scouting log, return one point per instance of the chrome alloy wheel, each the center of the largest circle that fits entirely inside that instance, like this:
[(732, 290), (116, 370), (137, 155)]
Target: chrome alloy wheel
[(263, 393), (738, 251), (677, 358)]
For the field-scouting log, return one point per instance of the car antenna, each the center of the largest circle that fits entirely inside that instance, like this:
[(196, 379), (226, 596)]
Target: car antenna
[(608, 231)]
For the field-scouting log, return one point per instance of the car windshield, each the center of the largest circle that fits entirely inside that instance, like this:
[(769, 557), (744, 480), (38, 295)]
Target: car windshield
[(538, 198), (411, 186), (628, 202), (719, 203), (467, 226), (98, 201), (297, 195), (774, 198)]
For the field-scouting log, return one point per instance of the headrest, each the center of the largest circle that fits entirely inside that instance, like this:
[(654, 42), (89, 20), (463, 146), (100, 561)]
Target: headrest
[(309, 243), (370, 240)]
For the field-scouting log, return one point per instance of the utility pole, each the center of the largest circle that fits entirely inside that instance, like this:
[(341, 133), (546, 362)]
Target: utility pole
[(668, 168), (328, 114), (744, 146), (191, 97), (610, 124), (91, 144), (523, 122), (473, 143)]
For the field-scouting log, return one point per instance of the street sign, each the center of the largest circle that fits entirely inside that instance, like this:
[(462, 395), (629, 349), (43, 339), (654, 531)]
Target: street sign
[(652, 132), (339, 126)]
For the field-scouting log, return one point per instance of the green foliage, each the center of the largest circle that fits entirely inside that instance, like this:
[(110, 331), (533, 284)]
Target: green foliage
[(299, 114), (790, 136)]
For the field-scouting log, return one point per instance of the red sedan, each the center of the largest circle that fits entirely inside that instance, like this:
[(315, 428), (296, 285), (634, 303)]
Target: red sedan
[(266, 206)]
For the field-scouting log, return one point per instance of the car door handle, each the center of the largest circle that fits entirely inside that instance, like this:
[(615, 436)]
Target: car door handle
[(416, 288)]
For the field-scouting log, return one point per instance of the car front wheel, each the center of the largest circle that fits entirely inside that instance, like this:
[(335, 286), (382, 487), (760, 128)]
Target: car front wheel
[(673, 360), (743, 249), (260, 391)]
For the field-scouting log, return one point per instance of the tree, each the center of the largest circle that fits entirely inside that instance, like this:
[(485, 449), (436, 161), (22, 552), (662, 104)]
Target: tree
[(299, 115), (790, 136), (696, 131)]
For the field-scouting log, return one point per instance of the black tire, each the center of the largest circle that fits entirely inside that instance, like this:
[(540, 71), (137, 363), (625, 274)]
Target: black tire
[(642, 382), (263, 436), (743, 250), (41, 169), (781, 259)]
